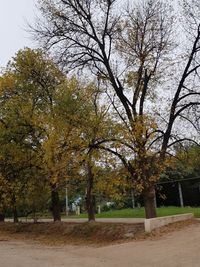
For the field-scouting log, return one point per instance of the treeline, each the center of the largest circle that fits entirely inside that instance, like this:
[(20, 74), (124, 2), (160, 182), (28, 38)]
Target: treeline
[(124, 91), (49, 125)]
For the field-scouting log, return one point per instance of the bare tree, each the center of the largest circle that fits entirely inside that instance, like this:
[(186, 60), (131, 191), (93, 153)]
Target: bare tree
[(126, 50)]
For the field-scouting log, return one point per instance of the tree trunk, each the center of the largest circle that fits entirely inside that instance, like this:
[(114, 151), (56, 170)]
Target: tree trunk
[(90, 198), (55, 204), (15, 215), (90, 204), (2, 217), (149, 202)]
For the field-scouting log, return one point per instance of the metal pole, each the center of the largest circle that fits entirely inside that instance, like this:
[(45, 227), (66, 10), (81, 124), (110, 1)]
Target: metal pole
[(99, 209), (133, 198), (155, 201), (180, 194)]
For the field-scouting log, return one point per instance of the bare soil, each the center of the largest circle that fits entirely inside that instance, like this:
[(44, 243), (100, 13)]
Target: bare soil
[(94, 234), (176, 245)]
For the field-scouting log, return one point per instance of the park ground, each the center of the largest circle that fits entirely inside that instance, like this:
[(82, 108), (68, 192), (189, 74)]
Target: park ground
[(126, 213), (102, 244), (172, 246), (140, 213)]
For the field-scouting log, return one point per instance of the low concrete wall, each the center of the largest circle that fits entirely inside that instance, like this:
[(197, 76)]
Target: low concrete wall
[(154, 223)]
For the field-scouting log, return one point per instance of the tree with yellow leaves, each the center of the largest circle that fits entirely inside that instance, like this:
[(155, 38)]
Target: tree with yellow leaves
[(26, 92), (131, 54)]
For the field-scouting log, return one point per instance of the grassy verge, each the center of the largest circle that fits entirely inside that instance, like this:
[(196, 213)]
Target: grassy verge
[(130, 213), (139, 212)]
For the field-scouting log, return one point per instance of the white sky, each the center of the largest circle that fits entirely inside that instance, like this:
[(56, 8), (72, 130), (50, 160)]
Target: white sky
[(13, 17)]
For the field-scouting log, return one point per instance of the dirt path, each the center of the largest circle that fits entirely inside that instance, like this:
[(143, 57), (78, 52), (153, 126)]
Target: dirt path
[(177, 249), (106, 220)]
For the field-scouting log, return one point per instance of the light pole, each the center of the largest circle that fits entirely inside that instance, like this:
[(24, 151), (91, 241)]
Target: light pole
[(66, 202)]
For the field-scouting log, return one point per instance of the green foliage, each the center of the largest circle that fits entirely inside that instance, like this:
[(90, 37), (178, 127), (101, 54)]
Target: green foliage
[(186, 164)]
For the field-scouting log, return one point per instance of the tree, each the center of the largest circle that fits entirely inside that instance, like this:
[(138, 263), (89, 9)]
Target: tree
[(47, 129), (15, 131), (27, 89), (4, 197), (127, 54), (86, 121), (95, 128), (60, 147)]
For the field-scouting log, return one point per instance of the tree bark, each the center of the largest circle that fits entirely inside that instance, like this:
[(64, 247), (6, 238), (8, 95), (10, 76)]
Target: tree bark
[(149, 202), (2, 217), (55, 204), (15, 215), (90, 198)]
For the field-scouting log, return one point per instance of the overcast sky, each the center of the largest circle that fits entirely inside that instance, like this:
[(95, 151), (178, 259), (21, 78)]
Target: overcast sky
[(13, 17)]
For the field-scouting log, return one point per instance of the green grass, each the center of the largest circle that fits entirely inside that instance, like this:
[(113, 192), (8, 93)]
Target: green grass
[(132, 213), (165, 211), (139, 212)]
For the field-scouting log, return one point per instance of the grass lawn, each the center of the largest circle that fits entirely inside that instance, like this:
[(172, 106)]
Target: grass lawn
[(139, 212)]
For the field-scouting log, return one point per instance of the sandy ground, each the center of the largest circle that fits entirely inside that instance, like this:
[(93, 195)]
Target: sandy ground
[(176, 249)]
